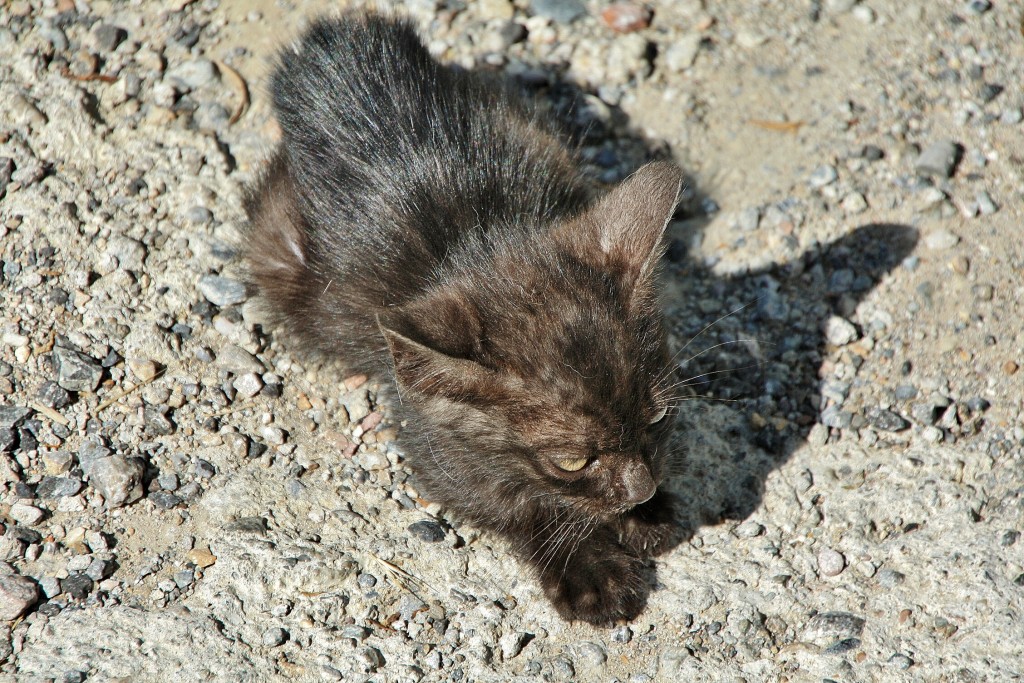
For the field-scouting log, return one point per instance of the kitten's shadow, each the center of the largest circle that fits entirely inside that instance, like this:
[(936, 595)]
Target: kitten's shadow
[(764, 360)]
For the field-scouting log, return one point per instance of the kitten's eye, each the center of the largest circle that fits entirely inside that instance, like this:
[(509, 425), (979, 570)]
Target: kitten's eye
[(571, 464), (660, 415)]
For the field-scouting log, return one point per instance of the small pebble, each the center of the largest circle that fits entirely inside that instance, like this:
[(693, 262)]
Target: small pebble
[(76, 586), (248, 385), (626, 17), (822, 176), (17, 594), (886, 420), (901, 662), (118, 479), (193, 74), (986, 206), (28, 515), (559, 11), (990, 91), (427, 531), (682, 53), (830, 562), (854, 203), (76, 371), (839, 331), (941, 239), (273, 637), (938, 159), (512, 643), (52, 395), (107, 37), (237, 360), (58, 487), (222, 291)]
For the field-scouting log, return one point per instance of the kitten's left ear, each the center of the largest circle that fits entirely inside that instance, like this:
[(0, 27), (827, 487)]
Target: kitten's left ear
[(429, 372), (628, 222)]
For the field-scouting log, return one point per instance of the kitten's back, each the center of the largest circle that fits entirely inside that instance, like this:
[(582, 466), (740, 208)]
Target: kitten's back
[(390, 164)]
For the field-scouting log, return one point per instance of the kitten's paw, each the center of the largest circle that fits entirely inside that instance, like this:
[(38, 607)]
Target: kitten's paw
[(648, 528), (599, 588)]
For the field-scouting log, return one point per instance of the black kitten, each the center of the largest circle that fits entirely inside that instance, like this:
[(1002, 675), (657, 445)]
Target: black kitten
[(431, 228)]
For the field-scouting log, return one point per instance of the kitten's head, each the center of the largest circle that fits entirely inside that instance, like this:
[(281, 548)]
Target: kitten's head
[(541, 372)]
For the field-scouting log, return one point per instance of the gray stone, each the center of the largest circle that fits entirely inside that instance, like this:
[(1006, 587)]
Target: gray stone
[(118, 479), (839, 331), (222, 291), (17, 594), (52, 395), (156, 421), (830, 562), (901, 662), (682, 53), (836, 418), (12, 416), (76, 371), (512, 643), (193, 74), (164, 500), (90, 452), (100, 569), (941, 239), (184, 578), (77, 586), (889, 578), (130, 254), (822, 176), (427, 530), (28, 515), (559, 11), (938, 159), (237, 360), (211, 117), (107, 36), (827, 627), (58, 487), (591, 654), (886, 420), (50, 586), (8, 437), (986, 205), (248, 385), (355, 632)]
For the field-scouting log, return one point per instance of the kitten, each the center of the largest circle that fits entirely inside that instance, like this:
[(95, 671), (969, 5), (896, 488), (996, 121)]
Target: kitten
[(432, 229)]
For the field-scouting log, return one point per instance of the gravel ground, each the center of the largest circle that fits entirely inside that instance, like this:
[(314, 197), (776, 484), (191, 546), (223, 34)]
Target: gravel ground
[(185, 497)]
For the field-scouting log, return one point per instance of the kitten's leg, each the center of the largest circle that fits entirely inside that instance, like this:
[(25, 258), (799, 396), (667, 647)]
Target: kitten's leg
[(647, 529), (595, 580)]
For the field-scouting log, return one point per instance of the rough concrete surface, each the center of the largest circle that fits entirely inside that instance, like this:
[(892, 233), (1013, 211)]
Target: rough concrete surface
[(186, 497)]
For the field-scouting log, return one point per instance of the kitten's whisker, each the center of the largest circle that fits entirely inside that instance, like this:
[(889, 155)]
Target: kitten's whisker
[(437, 462), (704, 397), (710, 325), (694, 380), (725, 343)]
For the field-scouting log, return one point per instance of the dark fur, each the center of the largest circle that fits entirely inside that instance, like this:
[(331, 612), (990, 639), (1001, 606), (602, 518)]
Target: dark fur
[(429, 227)]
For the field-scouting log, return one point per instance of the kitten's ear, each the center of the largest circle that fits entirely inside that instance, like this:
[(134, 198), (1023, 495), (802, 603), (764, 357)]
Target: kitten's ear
[(425, 371), (444, 320), (627, 223)]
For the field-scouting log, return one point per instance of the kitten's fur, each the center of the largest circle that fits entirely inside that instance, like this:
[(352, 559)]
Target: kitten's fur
[(429, 227)]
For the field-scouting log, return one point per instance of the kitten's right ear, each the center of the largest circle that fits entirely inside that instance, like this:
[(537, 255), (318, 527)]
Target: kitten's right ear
[(625, 226), (425, 371)]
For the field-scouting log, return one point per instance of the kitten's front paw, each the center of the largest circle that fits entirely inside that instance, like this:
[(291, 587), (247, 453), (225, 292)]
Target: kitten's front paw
[(599, 588), (648, 528)]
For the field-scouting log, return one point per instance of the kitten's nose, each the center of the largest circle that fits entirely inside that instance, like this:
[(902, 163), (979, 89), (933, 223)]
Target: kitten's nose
[(639, 483)]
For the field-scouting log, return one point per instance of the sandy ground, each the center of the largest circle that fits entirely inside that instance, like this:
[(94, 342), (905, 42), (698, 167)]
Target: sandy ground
[(187, 497)]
